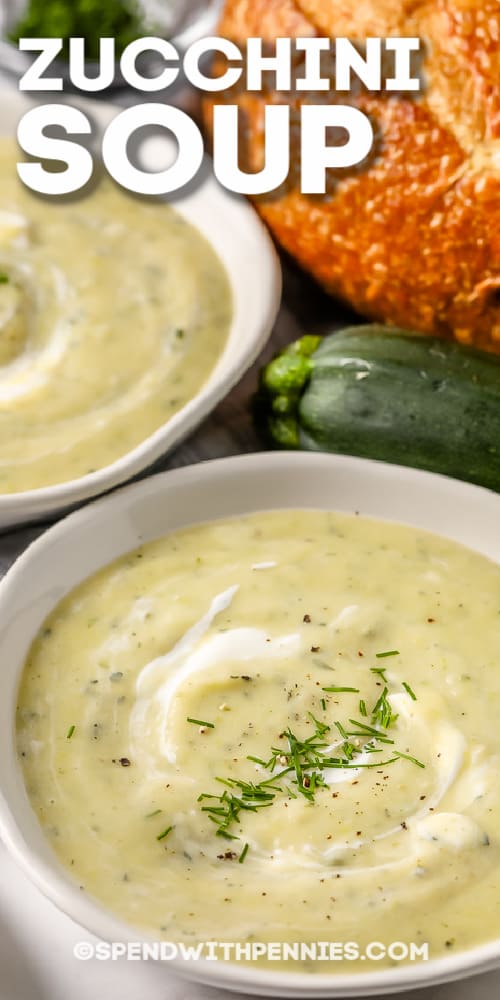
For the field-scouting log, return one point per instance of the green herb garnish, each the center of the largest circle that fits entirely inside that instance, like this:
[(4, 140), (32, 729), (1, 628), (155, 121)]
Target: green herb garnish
[(362, 729), (199, 722), (339, 690), (379, 672), (382, 711), (341, 730), (407, 756), (227, 807), (300, 765), (161, 836), (409, 691), (321, 728), (243, 854), (70, 732), (156, 812), (88, 19), (390, 652)]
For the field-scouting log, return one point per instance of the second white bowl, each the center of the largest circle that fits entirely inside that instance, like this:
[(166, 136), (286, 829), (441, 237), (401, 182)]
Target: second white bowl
[(247, 252)]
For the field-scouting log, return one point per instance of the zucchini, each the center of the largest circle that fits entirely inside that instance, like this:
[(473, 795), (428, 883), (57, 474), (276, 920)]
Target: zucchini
[(387, 394)]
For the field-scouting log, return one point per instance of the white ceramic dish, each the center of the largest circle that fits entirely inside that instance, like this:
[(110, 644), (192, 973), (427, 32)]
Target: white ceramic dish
[(246, 250), (37, 959), (94, 536)]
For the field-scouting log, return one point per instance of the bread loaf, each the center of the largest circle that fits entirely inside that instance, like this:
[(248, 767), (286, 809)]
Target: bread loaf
[(413, 239)]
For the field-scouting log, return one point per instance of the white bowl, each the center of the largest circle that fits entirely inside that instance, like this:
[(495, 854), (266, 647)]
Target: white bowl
[(182, 23), (248, 254), (94, 536)]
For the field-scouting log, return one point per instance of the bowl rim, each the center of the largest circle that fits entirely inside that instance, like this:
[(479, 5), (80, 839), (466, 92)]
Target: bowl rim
[(237, 354), (296, 466)]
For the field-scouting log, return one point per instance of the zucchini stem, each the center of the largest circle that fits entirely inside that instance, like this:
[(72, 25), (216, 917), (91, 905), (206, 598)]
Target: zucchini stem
[(282, 383)]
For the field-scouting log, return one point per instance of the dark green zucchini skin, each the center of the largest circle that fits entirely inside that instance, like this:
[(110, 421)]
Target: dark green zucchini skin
[(390, 395)]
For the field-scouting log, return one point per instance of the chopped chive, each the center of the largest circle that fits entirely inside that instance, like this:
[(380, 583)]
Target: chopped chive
[(364, 730), (199, 722), (321, 728), (407, 756), (382, 711), (70, 732), (376, 763), (341, 730), (161, 836), (380, 673), (305, 761), (409, 691), (156, 812), (4, 279), (338, 690), (390, 652), (353, 765), (380, 701)]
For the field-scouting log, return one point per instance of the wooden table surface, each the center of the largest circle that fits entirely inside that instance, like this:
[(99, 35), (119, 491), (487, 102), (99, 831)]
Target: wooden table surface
[(229, 430)]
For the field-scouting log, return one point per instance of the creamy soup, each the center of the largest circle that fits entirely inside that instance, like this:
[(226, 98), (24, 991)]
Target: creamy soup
[(282, 727), (113, 312)]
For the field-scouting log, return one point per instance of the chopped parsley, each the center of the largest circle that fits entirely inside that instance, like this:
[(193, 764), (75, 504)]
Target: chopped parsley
[(88, 19)]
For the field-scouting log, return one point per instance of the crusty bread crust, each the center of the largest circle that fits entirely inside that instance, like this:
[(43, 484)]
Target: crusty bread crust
[(414, 238)]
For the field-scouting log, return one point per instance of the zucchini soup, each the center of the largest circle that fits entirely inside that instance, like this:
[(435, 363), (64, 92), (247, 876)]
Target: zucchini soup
[(282, 727), (113, 312)]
